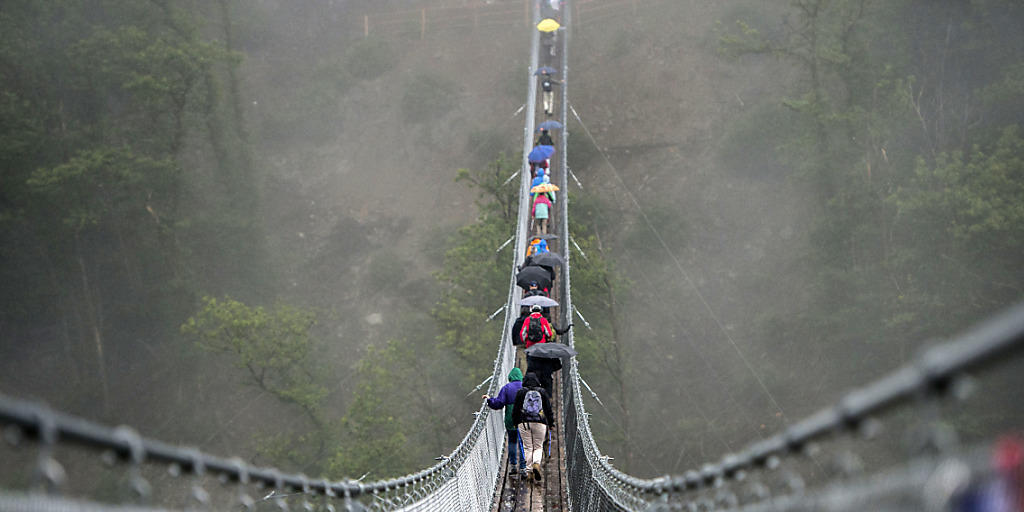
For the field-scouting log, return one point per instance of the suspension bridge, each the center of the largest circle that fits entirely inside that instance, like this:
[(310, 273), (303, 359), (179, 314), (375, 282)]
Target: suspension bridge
[(817, 463)]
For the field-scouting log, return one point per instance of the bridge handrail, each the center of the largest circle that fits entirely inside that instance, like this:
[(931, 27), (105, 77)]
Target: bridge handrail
[(929, 375)]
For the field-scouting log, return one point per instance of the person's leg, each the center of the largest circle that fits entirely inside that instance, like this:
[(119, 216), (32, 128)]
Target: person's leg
[(538, 432), (513, 449), (527, 438), (547, 383)]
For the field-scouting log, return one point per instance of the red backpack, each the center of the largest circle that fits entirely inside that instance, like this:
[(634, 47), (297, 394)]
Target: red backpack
[(533, 330)]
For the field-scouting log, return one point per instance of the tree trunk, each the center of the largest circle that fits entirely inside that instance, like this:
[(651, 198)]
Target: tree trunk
[(94, 321)]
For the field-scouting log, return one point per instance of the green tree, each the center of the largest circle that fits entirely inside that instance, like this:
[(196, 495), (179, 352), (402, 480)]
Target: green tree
[(274, 347), (911, 232), (277, 352), (474, 278), (964, 222), (376, 428), (106, 204)]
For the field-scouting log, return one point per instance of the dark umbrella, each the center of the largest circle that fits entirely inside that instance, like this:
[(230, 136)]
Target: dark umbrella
[(545, 236), (546, 259), (541, 153), (549, 125), (550, 351), (545, 69), (533, 274)]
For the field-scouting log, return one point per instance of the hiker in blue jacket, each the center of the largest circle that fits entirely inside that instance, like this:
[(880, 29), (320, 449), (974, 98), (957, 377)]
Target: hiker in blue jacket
[(506, 398), (532, 414)]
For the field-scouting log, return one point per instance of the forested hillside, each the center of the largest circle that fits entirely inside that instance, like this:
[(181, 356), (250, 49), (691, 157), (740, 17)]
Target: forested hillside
[(247, 226), (826, 185)]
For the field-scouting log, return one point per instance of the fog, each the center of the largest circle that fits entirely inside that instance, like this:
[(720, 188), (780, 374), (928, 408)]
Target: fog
[(774, 214)]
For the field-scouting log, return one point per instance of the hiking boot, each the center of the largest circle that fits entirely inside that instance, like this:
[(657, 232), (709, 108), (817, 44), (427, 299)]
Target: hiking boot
[(536, 472)]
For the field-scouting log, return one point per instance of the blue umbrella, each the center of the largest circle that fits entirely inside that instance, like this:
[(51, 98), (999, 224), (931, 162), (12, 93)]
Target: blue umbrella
[(541, 153), (549, 125), (545, 69)]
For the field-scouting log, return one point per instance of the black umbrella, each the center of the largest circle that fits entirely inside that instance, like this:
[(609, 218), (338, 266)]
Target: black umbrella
[(545, 259), (545, 236), (550, 351), (533, 274)]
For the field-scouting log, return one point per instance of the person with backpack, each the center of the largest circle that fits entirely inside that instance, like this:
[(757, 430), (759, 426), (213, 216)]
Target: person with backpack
[(545, 138), (537, 329), (506, 398), (532, 415), (546, 84), (537, 246)]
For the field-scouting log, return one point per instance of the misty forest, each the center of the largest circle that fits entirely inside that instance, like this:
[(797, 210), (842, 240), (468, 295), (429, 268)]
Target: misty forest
[(270, 228)]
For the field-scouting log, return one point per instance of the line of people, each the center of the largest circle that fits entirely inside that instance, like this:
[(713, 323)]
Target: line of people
[(527, 400), (542, 191)]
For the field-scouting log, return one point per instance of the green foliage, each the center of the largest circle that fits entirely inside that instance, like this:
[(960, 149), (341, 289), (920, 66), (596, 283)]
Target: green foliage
[(428, 97), (962, 223), (499, 194), (274, 346), (374, 428), (107, 186), (96, 99), (974, 198), (912, 235), (401, 414), (1004, 99), (474, 279)]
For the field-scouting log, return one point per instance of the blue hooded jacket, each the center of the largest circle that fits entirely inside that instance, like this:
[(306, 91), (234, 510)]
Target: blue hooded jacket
[(507, 396)]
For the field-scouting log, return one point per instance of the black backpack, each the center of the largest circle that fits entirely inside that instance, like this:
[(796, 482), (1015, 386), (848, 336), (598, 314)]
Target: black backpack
[(534, 331)]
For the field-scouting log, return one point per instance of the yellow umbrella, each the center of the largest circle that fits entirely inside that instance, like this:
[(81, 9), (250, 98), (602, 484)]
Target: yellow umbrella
[(544, 187), (548, 25)]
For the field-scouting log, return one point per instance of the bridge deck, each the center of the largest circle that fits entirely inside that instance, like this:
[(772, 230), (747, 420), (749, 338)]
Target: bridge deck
[(518, 493)]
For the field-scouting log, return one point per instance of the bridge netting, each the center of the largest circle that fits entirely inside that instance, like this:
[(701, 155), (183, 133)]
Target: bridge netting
[(765, 476)]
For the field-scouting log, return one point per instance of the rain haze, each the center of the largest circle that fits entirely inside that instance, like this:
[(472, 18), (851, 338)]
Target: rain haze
[(271, 229)]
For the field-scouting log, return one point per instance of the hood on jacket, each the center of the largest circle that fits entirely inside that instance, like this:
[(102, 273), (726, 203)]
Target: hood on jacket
[(531, 381), (515, 374)]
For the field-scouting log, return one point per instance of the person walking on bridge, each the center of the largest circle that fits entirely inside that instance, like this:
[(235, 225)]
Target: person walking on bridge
[(545, 138), (536, 328), (532, 415), (506, 398), (547, 83), (541, 212)]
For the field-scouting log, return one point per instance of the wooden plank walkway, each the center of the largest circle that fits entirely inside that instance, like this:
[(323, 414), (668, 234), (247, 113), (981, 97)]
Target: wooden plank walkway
[(519, 493)]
